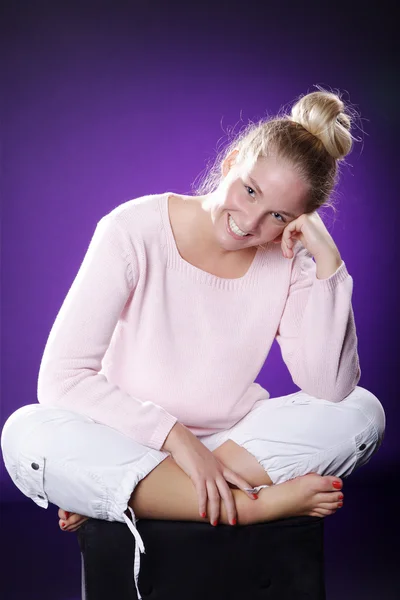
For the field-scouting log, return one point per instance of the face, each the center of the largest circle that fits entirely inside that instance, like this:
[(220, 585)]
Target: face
[(262, 200)]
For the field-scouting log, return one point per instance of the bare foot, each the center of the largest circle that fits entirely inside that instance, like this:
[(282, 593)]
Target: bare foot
[(309, 495), (70, 521)]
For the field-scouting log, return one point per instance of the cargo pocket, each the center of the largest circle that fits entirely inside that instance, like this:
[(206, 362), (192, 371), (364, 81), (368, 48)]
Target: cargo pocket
[(30, 477)]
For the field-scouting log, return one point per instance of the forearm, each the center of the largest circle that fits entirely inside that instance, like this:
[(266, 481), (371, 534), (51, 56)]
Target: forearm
[(176, 434), (318, 337), (328, 263)]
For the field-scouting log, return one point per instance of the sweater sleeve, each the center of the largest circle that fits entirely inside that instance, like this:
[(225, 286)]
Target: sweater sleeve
[(69, 371), (317, 333)]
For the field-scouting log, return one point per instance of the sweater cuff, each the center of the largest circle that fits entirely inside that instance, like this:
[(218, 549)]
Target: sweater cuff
[(337, 277), (160, 434)]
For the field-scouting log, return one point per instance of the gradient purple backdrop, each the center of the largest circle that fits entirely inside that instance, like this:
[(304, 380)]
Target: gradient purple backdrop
[(104, 105), (109, 101)]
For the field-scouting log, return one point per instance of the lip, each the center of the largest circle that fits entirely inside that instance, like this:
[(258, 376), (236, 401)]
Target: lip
[(231, 233)]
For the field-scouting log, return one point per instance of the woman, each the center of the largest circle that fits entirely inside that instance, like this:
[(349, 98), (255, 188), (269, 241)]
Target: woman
[(147, 401)]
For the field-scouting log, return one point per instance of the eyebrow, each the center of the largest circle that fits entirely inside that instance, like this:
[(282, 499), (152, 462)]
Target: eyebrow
[(281, 212)]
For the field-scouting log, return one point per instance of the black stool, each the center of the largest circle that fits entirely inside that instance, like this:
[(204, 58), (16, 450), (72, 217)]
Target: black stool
[(277, 560)]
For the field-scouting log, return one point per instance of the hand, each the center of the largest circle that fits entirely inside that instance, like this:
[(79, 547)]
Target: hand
[(209, 475), (72, 521), (312, 233)]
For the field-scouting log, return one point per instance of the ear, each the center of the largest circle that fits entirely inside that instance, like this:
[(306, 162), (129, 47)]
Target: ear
[(229, 162)]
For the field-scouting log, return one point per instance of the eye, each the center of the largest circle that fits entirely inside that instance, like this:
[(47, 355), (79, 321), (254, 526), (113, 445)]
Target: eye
[(282, 220), (249, 192)]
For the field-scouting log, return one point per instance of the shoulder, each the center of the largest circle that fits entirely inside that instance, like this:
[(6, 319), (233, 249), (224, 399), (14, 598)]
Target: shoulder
[(135, 210), (136, 219)]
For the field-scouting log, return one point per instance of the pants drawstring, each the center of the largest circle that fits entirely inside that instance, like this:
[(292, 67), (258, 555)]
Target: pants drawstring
[(255, 490), (139, 547)]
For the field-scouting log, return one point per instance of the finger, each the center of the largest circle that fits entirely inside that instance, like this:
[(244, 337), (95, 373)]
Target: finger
[(227, 497), (201, 491), (289, 242), (215, 501), (286, 249), (287, 252), (290, 232)]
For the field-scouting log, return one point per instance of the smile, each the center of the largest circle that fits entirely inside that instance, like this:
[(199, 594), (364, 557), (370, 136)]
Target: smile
[(234, 230)]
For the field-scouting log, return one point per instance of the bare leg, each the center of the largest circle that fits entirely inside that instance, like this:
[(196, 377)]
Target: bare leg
[(168, 493)]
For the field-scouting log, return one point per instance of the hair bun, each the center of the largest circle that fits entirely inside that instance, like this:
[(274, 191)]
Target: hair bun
[(323, 114)]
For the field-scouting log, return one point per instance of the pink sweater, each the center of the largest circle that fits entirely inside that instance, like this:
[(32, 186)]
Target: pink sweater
[(144, 339)]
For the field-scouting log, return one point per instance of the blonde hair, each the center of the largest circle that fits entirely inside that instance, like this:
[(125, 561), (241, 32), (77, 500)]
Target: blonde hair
[(313, 138)]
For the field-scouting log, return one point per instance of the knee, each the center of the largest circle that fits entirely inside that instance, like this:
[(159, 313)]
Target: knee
[(370, 407), (15, 430)]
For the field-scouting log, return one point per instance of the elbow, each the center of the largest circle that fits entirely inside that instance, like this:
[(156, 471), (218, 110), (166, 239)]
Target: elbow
[(46, 391), (45, 397), (346, 387), (334, 391), (339, 392), (335, 387), (337, 397)]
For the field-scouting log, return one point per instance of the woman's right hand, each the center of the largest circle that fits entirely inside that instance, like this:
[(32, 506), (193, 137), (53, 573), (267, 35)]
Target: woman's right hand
[(209, 475)]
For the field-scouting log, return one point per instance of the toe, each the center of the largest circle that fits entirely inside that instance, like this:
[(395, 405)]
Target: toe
[(63, 514), (335, 483), (62, 524), (330, 505), (73, 522), (323, 512)]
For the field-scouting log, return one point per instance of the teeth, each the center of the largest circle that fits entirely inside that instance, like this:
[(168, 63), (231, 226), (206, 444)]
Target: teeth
[(235, 228)]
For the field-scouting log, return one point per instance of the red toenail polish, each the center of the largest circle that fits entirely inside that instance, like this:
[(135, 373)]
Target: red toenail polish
[(340, 504), (337, 485), (341, 497)]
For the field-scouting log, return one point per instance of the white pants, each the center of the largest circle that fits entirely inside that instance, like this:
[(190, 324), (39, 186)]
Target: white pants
[(58, 456)]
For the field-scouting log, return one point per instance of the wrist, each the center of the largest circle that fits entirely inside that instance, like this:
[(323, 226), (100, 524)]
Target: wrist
[(175, 433), (327, 264)]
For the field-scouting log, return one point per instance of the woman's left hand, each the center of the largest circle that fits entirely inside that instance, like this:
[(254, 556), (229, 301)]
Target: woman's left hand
[(312, 233)]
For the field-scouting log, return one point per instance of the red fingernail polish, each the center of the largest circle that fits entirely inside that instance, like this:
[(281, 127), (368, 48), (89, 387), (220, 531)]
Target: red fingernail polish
[(68, 514), (233, 521), (63, 525), (203, 514), (255, 496), (215, 522), (337, 485)]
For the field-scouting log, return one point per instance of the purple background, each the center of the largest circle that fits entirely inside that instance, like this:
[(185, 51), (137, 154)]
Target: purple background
[(107, 101)]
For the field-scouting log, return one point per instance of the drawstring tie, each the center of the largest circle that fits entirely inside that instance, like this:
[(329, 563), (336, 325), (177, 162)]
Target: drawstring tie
[(255, 490), (139, 547)]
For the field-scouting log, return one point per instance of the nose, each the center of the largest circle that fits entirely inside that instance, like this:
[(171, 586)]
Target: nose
[(251, 220)]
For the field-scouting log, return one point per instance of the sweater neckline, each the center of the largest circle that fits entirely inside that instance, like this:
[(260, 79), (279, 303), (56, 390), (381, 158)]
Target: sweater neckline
[(178, 261)]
